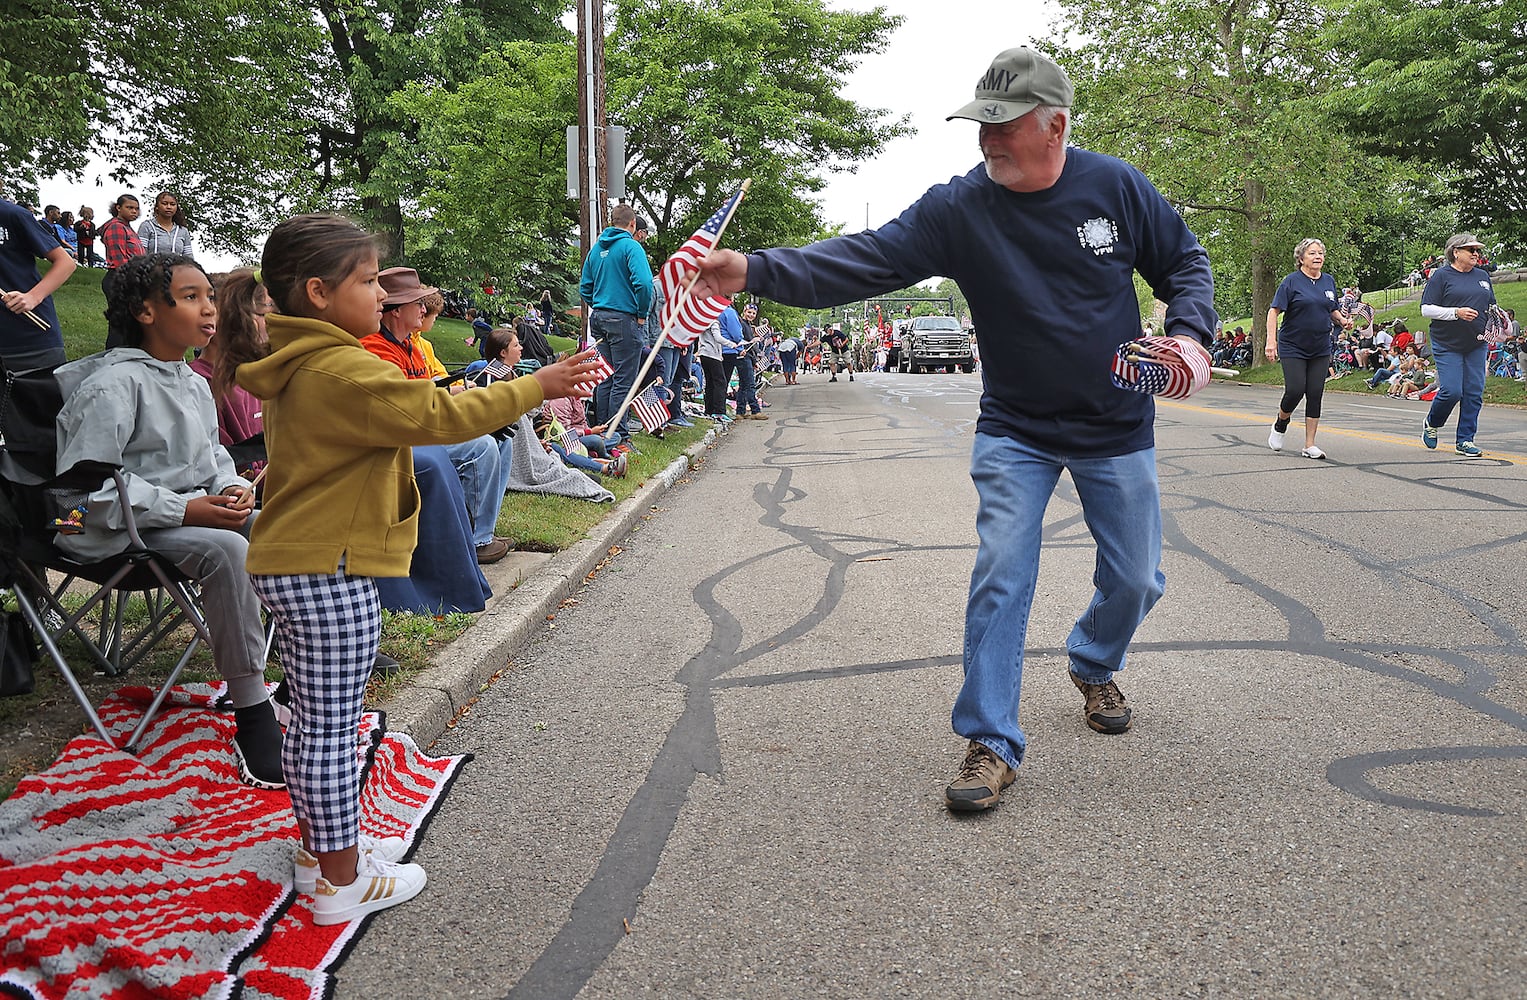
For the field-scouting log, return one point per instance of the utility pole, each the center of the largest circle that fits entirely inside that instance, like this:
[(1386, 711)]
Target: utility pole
[(592, 171)]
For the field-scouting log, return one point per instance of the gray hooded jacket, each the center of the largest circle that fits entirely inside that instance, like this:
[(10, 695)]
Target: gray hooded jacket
[(155, 419)]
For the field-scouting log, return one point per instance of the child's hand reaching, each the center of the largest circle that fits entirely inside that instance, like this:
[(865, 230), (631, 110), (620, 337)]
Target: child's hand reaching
[(216, 511), (572, 376)]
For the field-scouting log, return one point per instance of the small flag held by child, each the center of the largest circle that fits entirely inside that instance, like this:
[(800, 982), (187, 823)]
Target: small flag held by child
[(599, 372)]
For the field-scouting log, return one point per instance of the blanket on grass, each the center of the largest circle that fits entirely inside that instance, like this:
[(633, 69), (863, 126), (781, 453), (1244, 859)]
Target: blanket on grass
[(163, 876)]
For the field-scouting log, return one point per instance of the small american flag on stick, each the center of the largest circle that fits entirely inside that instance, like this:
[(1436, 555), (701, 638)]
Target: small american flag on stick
[(599, 372), (650, 410), (1160, 366), (684, 316), (571, 441)]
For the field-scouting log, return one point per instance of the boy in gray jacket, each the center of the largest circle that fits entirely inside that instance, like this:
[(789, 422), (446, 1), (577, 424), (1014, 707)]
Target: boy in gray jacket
[(141, 407)]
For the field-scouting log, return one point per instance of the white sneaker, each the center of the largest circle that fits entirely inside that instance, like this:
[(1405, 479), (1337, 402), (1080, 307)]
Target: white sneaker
[(305, 866), (378, 885), (1313, 452), (1275, 440)]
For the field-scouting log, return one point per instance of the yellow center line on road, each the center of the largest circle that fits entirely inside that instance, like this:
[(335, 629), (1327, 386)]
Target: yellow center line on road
[(1297, 431)]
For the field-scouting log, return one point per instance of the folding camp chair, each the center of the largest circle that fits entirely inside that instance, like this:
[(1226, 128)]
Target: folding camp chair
[(42, 501)]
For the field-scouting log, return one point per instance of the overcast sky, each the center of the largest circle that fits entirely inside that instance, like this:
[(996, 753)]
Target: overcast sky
[(929, 68)]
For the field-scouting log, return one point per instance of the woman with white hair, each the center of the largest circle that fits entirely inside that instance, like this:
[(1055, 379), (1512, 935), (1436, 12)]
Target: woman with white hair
[(1309, 299)]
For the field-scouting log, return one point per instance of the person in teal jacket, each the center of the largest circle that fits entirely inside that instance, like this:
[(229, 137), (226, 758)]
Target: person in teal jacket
[(617, 292)]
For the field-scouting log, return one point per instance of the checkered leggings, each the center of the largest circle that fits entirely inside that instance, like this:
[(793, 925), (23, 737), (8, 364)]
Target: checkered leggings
[(327, 629)]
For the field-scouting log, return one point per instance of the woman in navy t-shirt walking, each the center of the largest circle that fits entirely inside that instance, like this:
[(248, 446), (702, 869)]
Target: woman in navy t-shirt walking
[(1457, 299), (1309, 299)]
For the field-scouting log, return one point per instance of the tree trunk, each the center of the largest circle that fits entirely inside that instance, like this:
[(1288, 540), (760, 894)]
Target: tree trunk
[(1263, 282)]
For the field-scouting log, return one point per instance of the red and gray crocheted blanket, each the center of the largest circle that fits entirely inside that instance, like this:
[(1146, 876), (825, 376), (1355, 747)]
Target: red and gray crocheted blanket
[(163, 876)]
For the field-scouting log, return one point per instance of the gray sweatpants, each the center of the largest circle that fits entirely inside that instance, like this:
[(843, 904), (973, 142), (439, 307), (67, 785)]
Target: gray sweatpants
[(214, 558)]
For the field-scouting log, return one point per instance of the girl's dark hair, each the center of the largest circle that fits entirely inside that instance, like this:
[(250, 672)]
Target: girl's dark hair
[(135, 282), (328, 247), (498, 340), (238, 335)]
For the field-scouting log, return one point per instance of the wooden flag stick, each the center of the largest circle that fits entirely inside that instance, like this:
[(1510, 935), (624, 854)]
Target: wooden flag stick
[(673, 314), (29, 314)]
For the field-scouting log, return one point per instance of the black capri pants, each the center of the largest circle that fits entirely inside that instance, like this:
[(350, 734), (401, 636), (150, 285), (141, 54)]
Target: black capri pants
[(716, 379), (1304, 378)]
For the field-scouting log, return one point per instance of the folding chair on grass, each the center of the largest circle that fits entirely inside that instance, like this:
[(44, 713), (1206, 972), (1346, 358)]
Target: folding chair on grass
[(43, 502)]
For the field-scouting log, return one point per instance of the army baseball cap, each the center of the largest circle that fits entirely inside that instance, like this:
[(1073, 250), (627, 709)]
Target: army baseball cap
[(1018, 81)]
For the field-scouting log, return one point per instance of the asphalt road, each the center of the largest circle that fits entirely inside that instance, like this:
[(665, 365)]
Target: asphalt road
[(717, 773)]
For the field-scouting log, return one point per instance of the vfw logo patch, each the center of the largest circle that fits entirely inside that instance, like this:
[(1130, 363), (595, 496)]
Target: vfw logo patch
[(1098, 235)]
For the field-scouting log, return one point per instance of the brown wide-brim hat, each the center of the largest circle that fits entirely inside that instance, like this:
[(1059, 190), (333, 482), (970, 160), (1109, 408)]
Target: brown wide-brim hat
[(402, 286)]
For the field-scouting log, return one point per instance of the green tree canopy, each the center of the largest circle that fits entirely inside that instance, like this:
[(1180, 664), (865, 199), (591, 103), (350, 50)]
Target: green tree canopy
[(713, 91), (1444, 85), (48, 92), (1213, 101)]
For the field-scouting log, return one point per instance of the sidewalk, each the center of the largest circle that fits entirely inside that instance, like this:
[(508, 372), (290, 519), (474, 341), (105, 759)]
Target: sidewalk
[(528, 587)]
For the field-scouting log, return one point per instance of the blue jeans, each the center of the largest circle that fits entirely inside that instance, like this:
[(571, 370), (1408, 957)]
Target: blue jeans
[(1460, 383), (619, 340), (747, 386), (1121, 504), (575, 460), (668, 357), (482, 464)]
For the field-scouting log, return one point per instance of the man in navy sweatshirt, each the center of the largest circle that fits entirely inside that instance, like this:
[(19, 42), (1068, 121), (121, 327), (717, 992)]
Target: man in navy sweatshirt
[(1043, 240), (617, 288)]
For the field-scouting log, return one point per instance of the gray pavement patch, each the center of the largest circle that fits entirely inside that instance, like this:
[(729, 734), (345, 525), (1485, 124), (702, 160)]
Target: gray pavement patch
[(521, 602)]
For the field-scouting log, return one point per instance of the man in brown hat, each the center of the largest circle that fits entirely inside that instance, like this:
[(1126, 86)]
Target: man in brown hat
[(1044, 239), (482, 464)]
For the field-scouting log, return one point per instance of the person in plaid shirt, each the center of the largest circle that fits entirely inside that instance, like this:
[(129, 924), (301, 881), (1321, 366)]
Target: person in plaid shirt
[(122, 244)]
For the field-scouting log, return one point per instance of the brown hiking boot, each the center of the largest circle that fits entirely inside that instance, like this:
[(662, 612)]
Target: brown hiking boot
[(494, 551), (982, 777), (1106, 710)]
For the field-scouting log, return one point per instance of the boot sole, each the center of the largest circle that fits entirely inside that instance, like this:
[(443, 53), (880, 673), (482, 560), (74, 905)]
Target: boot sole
[(971, 805), (1107, 730)]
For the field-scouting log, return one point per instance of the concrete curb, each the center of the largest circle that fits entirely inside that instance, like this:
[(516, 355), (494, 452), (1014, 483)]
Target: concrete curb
[(425, 707)]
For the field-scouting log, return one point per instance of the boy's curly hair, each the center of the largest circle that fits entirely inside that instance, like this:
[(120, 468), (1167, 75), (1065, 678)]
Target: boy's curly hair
[(136, 282)]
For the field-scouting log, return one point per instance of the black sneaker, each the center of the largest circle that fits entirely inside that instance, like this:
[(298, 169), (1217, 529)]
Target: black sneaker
[(833, 379), (385, 666), (1105, 710), (257, 746), (979, 784)]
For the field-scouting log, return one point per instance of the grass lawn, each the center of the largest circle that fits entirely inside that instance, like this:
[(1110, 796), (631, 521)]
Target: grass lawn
[(34, 727)]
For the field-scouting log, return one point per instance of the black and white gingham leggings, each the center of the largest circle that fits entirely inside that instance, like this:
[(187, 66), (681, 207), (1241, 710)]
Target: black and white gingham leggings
[(327, 629)]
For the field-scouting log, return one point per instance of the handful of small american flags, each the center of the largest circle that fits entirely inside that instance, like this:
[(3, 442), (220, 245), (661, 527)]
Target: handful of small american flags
[(1160, 366)]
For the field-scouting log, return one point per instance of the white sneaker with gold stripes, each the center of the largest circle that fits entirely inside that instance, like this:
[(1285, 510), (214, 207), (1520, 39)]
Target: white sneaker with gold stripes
[(378, 885)]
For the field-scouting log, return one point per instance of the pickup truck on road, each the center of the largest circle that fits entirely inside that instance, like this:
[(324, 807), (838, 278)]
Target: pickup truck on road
[(933, 342)]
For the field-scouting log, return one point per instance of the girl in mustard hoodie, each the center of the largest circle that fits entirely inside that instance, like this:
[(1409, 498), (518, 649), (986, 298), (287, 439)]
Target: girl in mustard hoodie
[(341, 508)]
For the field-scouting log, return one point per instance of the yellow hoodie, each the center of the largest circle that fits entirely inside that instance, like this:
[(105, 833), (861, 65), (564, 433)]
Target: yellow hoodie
[(339, 423)]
